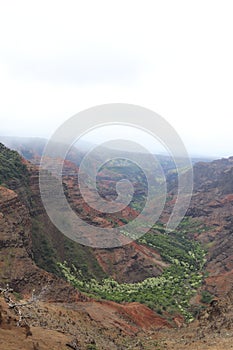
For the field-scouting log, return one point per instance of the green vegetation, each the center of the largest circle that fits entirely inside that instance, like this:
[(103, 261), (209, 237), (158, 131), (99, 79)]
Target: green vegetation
[(83, 259), (50, 246), (170, 292), (43, 250), (17, 296), (91, 347), (176, 248), (11, 167), (206, 297)]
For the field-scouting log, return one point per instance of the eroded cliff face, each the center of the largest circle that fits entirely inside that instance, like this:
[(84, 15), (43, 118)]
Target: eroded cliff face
[(131, 263), (212, 205), (16, 265), (15, 240), (214, 198)]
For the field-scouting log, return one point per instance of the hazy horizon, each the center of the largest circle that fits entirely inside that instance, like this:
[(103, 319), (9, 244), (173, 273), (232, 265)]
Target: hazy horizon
[(87, 144)]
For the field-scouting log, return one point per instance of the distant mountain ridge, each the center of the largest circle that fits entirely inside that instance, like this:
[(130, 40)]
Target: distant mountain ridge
[(32, 148)]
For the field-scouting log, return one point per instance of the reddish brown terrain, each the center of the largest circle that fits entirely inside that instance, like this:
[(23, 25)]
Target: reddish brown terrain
[(60, 317), (92, 325), (75, 316), (212, 204)]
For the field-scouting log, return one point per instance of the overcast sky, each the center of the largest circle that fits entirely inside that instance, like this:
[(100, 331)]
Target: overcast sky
[(174, 57)]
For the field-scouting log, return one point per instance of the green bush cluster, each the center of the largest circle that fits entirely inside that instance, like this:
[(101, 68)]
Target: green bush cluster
[(170, 292), (206, 297)]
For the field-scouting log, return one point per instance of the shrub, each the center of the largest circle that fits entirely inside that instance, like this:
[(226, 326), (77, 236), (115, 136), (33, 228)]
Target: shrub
[(206, 297)]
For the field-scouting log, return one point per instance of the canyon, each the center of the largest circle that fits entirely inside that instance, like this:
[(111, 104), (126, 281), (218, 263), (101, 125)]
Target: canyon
[(31, 246)]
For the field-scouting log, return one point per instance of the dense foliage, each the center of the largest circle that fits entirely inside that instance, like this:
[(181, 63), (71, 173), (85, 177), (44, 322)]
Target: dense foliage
[(169, 292), (11, 166), (51, 246)]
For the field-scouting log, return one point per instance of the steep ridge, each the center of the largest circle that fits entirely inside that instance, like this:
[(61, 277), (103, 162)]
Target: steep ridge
[(212, 203), (131, 263), (17, 266), (211, 210)]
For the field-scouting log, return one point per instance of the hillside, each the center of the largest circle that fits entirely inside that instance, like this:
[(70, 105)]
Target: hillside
[(212, 205)]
